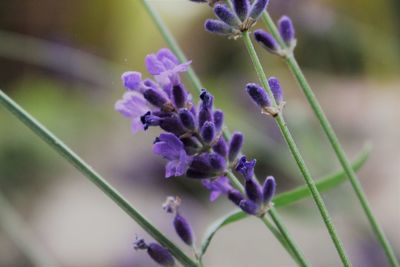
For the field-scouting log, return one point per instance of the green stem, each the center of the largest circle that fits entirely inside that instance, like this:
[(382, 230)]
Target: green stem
[(296, 154), (282, 235), (172, 43), (334, 141), (278, 221), (20, 233), (93, 176)]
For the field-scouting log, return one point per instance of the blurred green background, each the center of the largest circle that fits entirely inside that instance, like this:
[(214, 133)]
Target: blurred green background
[(62, 61)]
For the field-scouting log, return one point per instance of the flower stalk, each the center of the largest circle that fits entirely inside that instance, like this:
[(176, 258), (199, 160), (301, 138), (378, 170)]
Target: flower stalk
[(296, 153), (333, 140)]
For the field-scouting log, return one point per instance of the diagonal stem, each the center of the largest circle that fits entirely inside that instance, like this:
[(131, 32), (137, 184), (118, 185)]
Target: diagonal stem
[(280, 121), (93, 176), (334, 141)]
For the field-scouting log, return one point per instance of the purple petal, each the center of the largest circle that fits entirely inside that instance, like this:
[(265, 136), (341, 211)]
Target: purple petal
[(154, 66), (132, 105), (131, 80), (166, 53), (136, 125)]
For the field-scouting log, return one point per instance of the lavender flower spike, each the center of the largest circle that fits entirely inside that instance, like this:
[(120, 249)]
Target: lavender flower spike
[(171, 148), (258, 8), (158, 253), (276, 89), (269, 188), (267, 41), (226, 15), (133, 106), (258, 94), (286, 30)]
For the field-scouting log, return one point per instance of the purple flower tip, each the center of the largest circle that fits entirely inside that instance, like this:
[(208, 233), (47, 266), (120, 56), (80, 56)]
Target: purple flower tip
[(246, 168), (258, 95), (276, 89), (258, 8), (226, 15), (241, 8), (269, 188), (235, 146), (183, 229), (286, 30), (218, 27), (266, 40)]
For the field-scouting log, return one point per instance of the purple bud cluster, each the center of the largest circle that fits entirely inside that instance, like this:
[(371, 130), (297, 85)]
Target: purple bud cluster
[(232, 21), (192, 140)]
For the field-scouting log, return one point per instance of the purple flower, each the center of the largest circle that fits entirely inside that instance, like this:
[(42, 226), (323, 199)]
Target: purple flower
[(172, 149), (133, 106), (246, 168), (258, 95), (269, 188), (226, 15), (183, 229), (258, 8), (165, 67), (219, 27), (276, 89), (218, 187), (235, 146), (241, 8)]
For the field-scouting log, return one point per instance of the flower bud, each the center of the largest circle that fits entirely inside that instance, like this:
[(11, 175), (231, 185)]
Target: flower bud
[(179, 95), (155, 97), (286, 30), (266, 40), (249, 206), (205, 110), (246, 168), (254, 191), (172, 125), (149, 119), (183, 229), (258, 8), (218, 119), (158, 253), (218, 27), (235, 146), (258, 95), (241, 8), (276, 89), (207, 132), (235, 196), (187, 119), (269, 188), (217, 162), (220, 147), (226, 15)]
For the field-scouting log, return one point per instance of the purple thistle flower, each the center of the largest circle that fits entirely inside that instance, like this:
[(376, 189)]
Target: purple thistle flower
[(158, 253), (286, 30), (246, 168), (218, 27), (183, 229), (226, 15), (165, 67), (269, 188), (258, 95), (133, 106), (218, 117), (241, 8), (218, 187), (276, 89), (187, 119), (207, 132), (258, 8), (267, 41), (171, 148), (249, 207), (235, 146), (221, 147)]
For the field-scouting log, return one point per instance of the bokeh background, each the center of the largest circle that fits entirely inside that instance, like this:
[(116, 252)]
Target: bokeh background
[(62, 60)]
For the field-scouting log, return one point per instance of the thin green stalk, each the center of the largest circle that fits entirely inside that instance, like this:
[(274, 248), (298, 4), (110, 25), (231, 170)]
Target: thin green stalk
[(93, 176), (296, 154), (282, 235), (334, 141), (19, 232), (278, 221)]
